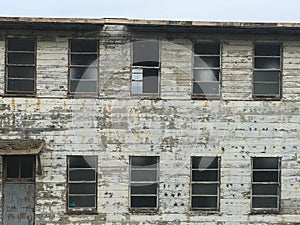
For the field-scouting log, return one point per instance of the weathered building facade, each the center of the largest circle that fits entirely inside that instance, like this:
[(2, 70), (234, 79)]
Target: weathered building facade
[(115, 121)]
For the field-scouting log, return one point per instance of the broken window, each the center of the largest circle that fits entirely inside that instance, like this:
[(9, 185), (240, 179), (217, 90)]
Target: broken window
[(83, 71), (145, 73), (267, 71), (265, 184), (205, 183), (82, 183), (19, 168), (144, 183), (20, 66), (206, 75)]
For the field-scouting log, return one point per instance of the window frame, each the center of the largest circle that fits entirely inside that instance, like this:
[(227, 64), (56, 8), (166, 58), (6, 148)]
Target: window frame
[(34, 66), (84, 210), (158, 68), (280, 71), (218, 183), (278, 183), (70, 65), (144, 209), (205, 96)]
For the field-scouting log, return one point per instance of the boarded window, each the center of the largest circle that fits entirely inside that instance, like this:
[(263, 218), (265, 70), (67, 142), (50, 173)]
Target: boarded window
[(205, 183), (265, 184), (206, 75), (143, 183), (82, 183), (145, 68), (83, 72), (267, 71), (20, 66)]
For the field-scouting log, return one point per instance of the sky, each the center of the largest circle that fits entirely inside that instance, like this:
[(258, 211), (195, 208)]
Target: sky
[(196, 10)]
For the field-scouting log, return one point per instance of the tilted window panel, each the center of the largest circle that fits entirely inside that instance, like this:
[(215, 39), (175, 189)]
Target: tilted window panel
[(265, 184), (83, 71), (267, 70), (205, 183), (82, 183), (20, 66), (144, 182), (206, 73)]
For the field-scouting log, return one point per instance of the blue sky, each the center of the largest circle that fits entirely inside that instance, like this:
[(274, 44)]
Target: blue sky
[(208, 10)]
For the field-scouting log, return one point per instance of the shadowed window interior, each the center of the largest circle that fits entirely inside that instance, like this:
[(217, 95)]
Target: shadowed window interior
[(82, 182), (143, 182), (20, 66), (265, 183), (145, 69), (205, 183), (267, 70), (19, 168), (83, 71), (206, 75)]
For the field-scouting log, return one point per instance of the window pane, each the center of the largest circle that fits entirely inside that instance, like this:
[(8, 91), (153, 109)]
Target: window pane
[(83, 86), (20, 58), (86, 59), (27, 167), (12, 167), (137, 74), (82, 175), (265, 189), (204, 202), (266, 88), (209, 88), (137, 87), (207, 48), (21, 44), (17, 85), (83, 73), (82, 161), (146, 53), (150, 81), (263, 202), (82, 201), (204, 189), (206, 75), (205, 175), (141, 161), (82, 188), (84, 45), (269, 76), (267, 63), (143, 201), (265, 163), (267, 49), (21, 72), (144, 175), (143, 188), (206, 61), (265, 176), (205, 162)]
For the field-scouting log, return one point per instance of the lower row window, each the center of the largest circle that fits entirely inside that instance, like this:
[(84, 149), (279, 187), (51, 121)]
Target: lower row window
[(144, 183)]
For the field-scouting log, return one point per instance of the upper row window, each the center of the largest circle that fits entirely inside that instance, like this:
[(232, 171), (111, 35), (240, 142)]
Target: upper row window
[(145, 68)]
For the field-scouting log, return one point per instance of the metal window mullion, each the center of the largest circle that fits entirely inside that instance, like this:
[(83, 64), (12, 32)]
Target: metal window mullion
[(207, 55), (84, 53), (145, 67), (206, 68)]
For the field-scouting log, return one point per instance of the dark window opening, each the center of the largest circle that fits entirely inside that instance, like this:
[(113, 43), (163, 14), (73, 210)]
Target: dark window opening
[(145, 68), (144, 183), (83, 71), (265, 184), (19, 168), (267, 71), (82, 183), (206, 74), (21, 66), (205, 183)]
